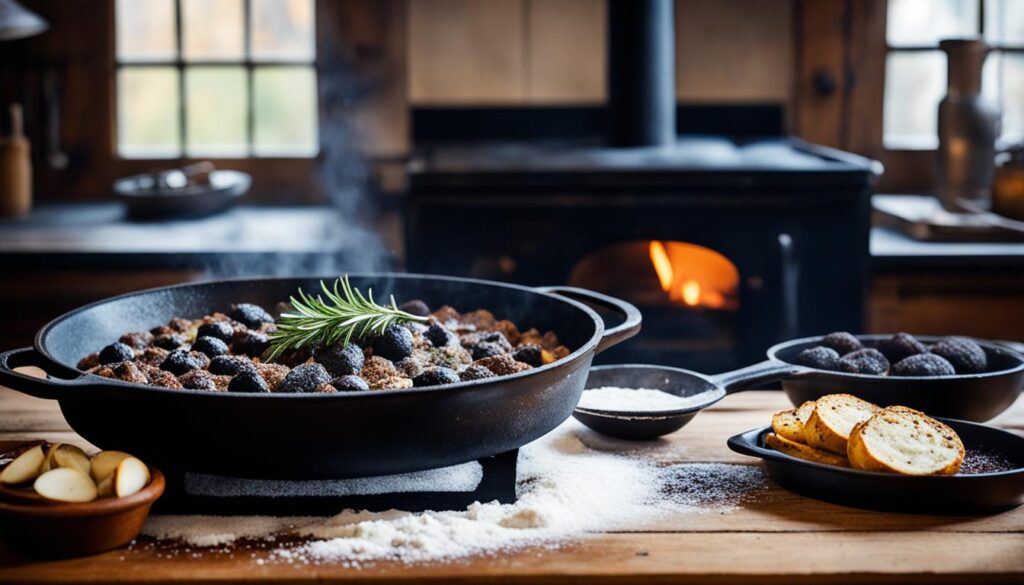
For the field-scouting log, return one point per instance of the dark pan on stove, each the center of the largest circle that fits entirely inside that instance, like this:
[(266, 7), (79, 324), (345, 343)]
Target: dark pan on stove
[(961, 494)]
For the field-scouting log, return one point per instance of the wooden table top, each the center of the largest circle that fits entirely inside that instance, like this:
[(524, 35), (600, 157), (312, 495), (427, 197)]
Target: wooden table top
[(775, 537)]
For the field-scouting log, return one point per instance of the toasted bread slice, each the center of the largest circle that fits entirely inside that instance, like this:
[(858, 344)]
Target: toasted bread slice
[(833, 418), (801, 451), (787, 425), (902, 440)]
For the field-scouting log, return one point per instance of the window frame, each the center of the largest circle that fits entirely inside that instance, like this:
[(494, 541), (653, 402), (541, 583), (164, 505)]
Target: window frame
[(181, 65), (979, 31)]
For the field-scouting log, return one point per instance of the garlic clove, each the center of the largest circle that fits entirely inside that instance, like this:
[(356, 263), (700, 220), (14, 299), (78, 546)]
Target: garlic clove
[(65, 485), (130, 476), (104, 463), (25, 467), (64, 455)]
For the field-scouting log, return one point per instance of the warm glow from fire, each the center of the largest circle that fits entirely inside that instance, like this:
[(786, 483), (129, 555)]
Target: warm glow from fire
[(691, 293), (694, 275)]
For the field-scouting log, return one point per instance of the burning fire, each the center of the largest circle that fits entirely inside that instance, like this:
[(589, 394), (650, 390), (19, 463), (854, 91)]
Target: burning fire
[(694, 275)]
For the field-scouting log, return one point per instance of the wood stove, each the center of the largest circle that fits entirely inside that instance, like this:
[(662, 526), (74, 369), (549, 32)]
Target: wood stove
[(729, 238)]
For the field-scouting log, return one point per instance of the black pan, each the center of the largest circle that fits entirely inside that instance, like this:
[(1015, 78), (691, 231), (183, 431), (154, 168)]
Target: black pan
[(951, 494), (308, 436), (976, 397)]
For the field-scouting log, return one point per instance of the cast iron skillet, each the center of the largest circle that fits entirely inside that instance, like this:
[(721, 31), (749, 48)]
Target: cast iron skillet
[(308, 436), (976, 397), (951, 494)]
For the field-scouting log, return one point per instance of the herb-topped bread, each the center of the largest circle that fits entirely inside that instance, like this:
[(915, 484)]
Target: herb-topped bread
[(833, 419), (902, 440)]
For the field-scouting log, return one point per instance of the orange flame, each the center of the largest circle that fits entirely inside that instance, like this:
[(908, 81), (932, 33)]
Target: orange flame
[(694, 275)]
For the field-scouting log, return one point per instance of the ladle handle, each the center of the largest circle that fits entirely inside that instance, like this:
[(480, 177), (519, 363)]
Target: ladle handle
[(756, 375)]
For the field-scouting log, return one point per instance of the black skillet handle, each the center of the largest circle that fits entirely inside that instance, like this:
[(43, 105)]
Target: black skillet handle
[(756, 375), (51, 387), (630, 325)]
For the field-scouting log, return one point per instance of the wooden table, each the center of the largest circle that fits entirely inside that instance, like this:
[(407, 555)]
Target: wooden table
[(778, 537)]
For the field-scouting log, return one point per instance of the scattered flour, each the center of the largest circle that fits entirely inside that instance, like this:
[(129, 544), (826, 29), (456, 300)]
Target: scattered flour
[(638, 400), (566, 489)]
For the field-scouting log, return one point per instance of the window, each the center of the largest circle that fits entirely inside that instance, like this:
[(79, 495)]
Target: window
[(216, 78), (915, 70)]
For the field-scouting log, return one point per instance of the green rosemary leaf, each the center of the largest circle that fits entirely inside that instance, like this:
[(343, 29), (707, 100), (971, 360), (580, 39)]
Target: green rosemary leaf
[(345, 314)]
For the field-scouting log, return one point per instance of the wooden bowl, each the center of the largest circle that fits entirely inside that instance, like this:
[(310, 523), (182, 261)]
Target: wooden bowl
[(78, 529)]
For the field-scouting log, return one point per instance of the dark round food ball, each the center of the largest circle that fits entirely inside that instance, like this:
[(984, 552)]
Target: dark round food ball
[(486, 349), (864, 361), (394, 344), (252, 316), (211, 346), (179, 362), (116, 352), (198, 380), (304, 378), (340, 359), (439, 336), (248, 381), (221, 330), (350, 384), (229, 365), (169, 341), (415, 307), (250, 343), (966, 356), (922, 364), (137, 339), (529, 354), (436, 377), (842, 342), (900, 346), (475, 372), (820, 357)]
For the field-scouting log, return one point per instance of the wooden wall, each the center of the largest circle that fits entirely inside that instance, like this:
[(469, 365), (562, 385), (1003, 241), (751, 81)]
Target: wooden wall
[(553, 51)]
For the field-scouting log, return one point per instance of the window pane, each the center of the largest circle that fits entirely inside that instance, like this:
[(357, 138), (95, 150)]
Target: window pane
[(217, 110), (285, 103), (1004, 22), (145, 30), (212, 30), (147, 112), (925, 22), (282, 29), (914, 84), (1013, 97)]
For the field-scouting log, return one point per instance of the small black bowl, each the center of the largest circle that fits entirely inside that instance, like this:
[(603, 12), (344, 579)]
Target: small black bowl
[(960, 494), (642, 426)]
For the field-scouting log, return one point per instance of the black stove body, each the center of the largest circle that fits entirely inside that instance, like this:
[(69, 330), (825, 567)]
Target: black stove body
[(790, 220)]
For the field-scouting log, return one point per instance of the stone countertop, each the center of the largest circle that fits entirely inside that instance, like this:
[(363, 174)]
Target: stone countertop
[(62, 233)]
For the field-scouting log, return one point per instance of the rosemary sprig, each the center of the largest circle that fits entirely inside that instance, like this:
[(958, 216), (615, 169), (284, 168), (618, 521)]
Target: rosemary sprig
[(344, 314)]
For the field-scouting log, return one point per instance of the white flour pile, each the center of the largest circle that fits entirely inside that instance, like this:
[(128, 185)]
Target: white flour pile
[(638, 399), (566, 489)]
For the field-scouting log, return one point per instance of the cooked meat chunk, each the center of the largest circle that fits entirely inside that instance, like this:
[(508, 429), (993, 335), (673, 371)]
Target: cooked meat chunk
[(502, 365), (273, 374), (475, 372), (252, 316), (162, 378), (138, 340), (221, 330), (180, 325), (115, 353), (229, 365), (529, 354), (304, 378), (89, 362), (248, 381), (340, 359), (169, 341), (198, 380), (129, 372), (153, 356), (180, 361)]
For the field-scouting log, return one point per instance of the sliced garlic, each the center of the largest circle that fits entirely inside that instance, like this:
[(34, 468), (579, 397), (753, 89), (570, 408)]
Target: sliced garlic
[(25, 467), (104, 463), (65, 485), (64, 455), (130, 476)]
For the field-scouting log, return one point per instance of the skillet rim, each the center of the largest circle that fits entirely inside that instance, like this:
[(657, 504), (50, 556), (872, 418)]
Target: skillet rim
[(742, 441), (774, 350), (91, 379)]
